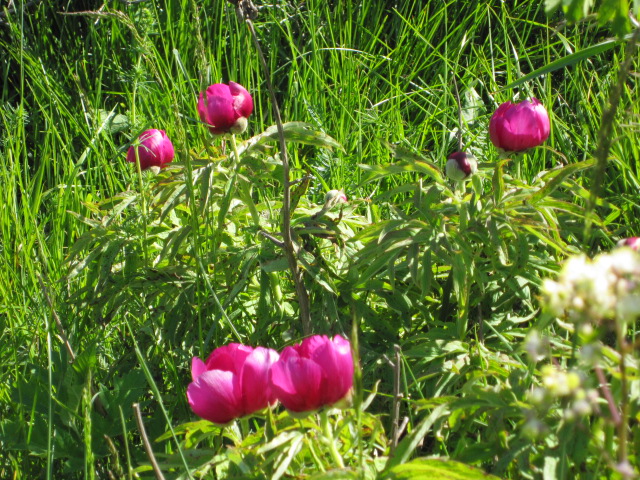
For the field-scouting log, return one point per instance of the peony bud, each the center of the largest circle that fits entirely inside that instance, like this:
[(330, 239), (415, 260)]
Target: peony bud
[(631, 242), (154, 149), (225, 108), (334, 197), (233, 382), (460, 166), (518, 127), (314, 373)]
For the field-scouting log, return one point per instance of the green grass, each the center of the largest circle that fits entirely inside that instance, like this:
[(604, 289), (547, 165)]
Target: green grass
[(364, 73)]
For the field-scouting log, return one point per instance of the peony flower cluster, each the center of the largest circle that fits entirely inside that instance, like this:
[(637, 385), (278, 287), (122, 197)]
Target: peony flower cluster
[(605, 288), (238, 380)]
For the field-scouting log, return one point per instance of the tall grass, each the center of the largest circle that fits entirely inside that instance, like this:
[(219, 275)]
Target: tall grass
[(82, 79)]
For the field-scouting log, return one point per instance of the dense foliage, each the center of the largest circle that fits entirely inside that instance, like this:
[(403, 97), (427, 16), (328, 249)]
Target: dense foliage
[(115, 277)]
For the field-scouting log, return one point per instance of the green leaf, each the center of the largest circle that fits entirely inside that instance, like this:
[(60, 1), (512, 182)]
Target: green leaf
[(616, 12), (554, 179), (336, 475), (578, 9), (297, 132), (551, 6), (434, 468), (566, 61), (113, 122), (380, 171)]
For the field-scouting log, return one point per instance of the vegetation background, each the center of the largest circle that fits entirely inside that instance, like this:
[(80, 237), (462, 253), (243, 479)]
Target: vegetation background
[(141, 274)]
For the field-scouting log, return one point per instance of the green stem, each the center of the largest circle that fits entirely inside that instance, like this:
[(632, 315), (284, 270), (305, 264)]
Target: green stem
[(624, 394), (331, 442), (143, 201), (517, 160), (244, 187)]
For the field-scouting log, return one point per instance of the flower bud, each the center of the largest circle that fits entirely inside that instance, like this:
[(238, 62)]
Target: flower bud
[(460, 166), (225, 108), (631, 242), (334, 197), (154, 149), (520, 126)]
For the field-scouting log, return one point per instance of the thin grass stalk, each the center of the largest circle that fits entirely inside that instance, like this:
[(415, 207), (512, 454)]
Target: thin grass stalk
[(624, 395), (289, 249), (147, 443), (156, 392), (126, 443), (50, 403)]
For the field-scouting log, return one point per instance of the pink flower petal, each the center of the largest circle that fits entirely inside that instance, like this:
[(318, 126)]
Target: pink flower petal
[(213, 396), (254, 380), (197, 368), (296, 382), (229, 357)]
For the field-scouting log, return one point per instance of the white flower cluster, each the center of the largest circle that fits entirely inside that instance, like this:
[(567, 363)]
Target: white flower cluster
[(607, 287), (567, 386)]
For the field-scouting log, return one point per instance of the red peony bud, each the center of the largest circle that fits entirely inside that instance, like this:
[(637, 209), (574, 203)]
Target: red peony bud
[(461, 165), (518, 127), (225, 108), (631, 242), (154, 149)]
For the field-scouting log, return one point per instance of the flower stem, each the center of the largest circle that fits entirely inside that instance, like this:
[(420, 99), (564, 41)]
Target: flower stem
[(331, 442), (244, 188), (624, 396), (143, 201)]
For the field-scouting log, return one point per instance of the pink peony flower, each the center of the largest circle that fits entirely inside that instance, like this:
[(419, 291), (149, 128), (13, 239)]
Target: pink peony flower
[(518, 127), (233, 382), (314, 373), (225, 108), (461, 165), (154, 149), (631, 242)]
